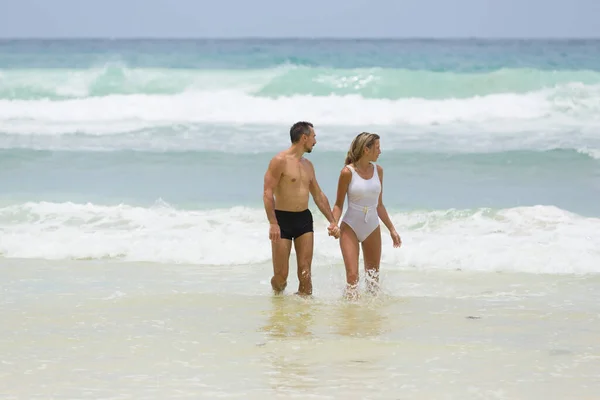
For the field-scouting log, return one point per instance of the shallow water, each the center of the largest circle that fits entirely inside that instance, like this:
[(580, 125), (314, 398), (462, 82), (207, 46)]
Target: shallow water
[(134, 257), (128, 330)]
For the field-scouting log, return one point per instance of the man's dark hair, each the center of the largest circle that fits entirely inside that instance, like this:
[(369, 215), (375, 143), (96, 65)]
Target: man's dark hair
[(299, 129)]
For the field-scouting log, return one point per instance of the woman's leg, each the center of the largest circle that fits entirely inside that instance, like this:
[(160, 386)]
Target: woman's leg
[(371, 247), (350, 252)]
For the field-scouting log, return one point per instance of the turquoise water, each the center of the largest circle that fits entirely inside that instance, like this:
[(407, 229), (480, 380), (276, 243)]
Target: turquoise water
[(134, 251), (492, 141)]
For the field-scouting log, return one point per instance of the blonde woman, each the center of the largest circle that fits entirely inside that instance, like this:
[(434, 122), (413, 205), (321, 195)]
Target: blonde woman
[(362, 181)]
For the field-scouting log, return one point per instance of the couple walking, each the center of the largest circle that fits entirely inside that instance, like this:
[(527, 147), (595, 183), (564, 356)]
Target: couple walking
[(290, 179)]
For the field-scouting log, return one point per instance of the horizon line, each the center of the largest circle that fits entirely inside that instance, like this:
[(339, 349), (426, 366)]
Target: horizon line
[(339, 38)]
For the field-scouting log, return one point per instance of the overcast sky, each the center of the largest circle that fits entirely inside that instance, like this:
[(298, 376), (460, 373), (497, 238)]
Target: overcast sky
[(307, 18)]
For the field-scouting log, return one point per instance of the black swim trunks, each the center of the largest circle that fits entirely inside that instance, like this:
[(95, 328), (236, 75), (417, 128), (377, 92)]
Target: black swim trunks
[(294, 224)]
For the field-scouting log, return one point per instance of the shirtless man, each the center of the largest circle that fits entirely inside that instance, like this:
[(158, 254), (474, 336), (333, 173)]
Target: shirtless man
[(289, 179)]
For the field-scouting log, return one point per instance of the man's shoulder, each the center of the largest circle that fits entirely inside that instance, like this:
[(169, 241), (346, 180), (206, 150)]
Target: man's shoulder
[(280, 154), (306, 161), (278, 159)]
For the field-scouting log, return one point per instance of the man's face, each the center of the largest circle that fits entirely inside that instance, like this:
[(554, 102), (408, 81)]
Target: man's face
[(310, 140)]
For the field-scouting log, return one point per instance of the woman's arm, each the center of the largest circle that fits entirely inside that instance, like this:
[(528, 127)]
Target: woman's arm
[(383, 214), (343, 182)]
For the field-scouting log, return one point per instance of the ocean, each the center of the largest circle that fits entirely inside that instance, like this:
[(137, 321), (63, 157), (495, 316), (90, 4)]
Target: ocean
[(134, 252)]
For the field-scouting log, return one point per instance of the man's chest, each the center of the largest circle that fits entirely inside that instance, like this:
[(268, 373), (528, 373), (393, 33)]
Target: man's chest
[(296, 174)]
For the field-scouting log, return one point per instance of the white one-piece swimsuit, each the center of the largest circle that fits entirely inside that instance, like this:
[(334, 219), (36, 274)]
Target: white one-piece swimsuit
[(363, 197)]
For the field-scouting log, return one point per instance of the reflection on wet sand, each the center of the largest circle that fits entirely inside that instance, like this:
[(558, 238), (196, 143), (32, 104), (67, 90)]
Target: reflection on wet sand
[(360, 319), (289, 334), (309, 342), (294, 317), (289, 317)]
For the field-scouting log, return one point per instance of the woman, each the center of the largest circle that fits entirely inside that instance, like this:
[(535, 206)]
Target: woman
[(362, 182)]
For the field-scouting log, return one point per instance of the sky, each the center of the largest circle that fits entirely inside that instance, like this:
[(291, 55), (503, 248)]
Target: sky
[(308, 18)]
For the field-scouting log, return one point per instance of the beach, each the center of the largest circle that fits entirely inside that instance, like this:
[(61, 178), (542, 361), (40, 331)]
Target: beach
[(135, 330), (134, 253)]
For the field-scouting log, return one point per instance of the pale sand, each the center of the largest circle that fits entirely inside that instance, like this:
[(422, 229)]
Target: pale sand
[(80, 330)]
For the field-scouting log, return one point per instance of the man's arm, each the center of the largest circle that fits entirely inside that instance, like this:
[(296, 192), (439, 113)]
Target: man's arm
[(271, 181), (319, 196)]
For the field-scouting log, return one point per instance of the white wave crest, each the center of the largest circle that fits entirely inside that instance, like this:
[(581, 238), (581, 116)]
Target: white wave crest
[(540, 239)]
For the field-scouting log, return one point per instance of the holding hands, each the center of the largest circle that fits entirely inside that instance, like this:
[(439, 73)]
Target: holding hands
[(333, 230)]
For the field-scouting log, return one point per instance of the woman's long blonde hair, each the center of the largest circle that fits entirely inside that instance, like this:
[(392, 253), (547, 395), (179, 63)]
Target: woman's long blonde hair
[(357, 147)]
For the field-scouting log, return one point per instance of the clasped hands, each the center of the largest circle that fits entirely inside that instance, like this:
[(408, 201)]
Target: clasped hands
[(334, 230)]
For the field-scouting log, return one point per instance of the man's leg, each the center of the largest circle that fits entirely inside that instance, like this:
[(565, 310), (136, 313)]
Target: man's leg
[(280, 251), (304, 254)]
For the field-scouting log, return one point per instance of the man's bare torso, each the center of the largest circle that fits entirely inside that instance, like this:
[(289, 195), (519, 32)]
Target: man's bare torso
[(292, 192)]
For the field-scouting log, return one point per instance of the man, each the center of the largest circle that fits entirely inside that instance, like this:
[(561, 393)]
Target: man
[(288, 181)]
